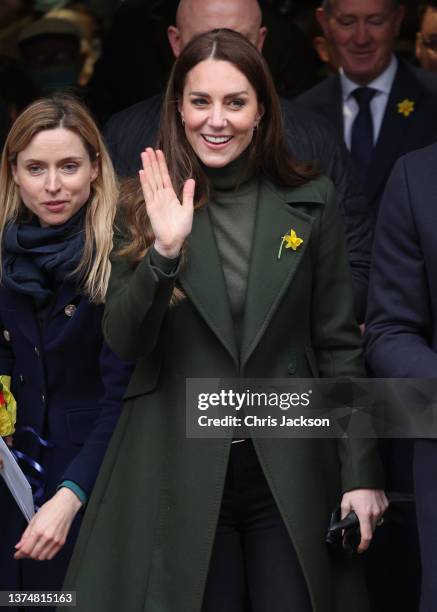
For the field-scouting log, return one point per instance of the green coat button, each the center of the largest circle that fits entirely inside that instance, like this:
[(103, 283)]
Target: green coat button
[(291, 368)]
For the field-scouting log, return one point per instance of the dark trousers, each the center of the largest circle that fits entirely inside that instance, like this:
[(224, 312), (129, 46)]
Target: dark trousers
[(392, 563), (425, 489), (253, 565)]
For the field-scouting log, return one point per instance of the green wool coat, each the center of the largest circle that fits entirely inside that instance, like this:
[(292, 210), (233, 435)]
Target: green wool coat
[(149, 528)]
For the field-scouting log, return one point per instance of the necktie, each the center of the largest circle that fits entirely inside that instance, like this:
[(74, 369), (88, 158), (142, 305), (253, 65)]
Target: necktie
[(362, 131)]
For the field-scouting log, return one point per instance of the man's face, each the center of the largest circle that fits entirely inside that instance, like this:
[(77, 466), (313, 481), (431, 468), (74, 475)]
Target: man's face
[(426, 41), (363, 33)]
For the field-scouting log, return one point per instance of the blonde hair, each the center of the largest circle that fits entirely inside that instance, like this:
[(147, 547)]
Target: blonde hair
[(62, 111)]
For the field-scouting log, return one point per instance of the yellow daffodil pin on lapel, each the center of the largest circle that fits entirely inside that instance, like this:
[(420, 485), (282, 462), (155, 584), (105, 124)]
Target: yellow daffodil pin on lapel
[(406, 107), (291, 241)]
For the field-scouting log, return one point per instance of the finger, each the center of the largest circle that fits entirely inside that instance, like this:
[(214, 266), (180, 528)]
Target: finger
[(53, 551), (50, 548), (26, 546), (188, 193), (166, 180), (147, 192), (345, 509), (41, 544), (148, 158), (366, 533), (156, 169), (145, 173), (26, 534)]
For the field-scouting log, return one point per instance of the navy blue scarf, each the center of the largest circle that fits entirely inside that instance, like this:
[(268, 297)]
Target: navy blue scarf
[(37, 260)]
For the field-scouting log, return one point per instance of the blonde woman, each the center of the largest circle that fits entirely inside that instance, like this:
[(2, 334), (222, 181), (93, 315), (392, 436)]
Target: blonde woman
[(58, 195)]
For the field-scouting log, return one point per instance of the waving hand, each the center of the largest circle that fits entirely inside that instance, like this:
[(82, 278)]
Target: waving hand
[(171, 220)]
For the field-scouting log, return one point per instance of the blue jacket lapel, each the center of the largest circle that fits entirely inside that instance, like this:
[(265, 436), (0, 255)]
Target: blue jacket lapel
[(394, 129), (24, 313)]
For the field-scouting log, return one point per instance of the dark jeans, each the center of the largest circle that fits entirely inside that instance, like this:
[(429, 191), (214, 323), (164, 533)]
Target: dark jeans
[(253, 564)]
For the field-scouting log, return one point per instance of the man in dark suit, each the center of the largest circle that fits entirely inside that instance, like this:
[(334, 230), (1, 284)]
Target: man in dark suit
[(401, 334), (309, 138), (382, 109), (379, 104)]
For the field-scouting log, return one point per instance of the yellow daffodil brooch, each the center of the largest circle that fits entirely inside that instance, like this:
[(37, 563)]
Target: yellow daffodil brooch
[(8, 407), (406, 107), (291, 241)]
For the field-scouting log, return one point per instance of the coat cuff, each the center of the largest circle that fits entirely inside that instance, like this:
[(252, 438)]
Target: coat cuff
[(77, 490), (361, 466), (164, 264)]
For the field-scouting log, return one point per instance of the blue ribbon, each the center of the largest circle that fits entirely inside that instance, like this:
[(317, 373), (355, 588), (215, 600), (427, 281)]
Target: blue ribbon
[(38, 482), (35, 434)]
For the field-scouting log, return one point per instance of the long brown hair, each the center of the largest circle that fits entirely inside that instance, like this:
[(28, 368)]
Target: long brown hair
[(268, 153), (67, 112)]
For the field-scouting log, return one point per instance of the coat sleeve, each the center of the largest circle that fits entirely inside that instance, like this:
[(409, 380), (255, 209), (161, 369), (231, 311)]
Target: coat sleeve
[(115, 375), (398, 332), (356, 218), (336, 340), (136, 304)]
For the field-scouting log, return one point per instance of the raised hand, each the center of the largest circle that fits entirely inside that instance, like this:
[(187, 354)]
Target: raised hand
[(171, 221)]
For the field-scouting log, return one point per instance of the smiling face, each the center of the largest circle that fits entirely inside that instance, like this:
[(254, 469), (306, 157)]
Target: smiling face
[(362, 33), (220, 110), (54, 175)]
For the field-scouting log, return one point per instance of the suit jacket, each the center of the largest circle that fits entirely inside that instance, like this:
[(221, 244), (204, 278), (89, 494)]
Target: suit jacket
[(308, 137), (298, 322), (401, 335), (69, 387), (399, 134)]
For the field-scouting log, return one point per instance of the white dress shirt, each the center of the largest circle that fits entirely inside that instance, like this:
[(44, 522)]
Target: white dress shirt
[(382, 84)]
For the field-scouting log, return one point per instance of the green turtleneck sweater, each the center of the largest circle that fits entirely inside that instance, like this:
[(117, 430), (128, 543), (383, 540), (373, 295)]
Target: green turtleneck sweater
[(232, 210)]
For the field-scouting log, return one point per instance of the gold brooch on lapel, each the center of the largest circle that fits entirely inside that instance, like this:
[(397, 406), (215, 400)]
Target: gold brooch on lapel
[(406, 107), (291, 241)]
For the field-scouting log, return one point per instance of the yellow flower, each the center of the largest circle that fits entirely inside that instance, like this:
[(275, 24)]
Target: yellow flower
[(406, 107), (8, 407), (291, 240)]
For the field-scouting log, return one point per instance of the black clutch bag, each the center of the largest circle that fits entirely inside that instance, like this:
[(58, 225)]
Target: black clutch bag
[(343, 535)]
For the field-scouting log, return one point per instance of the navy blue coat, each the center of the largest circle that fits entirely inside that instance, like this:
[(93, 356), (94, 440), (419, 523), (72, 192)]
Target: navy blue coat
[(401, 333), (69, 387), (398, 135)]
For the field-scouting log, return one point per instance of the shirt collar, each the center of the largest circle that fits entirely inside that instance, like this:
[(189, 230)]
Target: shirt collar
[(382, 83)]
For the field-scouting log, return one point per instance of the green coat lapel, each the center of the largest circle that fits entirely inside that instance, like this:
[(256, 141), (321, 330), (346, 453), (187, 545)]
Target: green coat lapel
[(202, 274), (203, 281), (269, 277)]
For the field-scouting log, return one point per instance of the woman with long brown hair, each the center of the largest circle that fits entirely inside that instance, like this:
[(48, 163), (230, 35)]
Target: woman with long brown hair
[(58, 196), (230, 263)]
